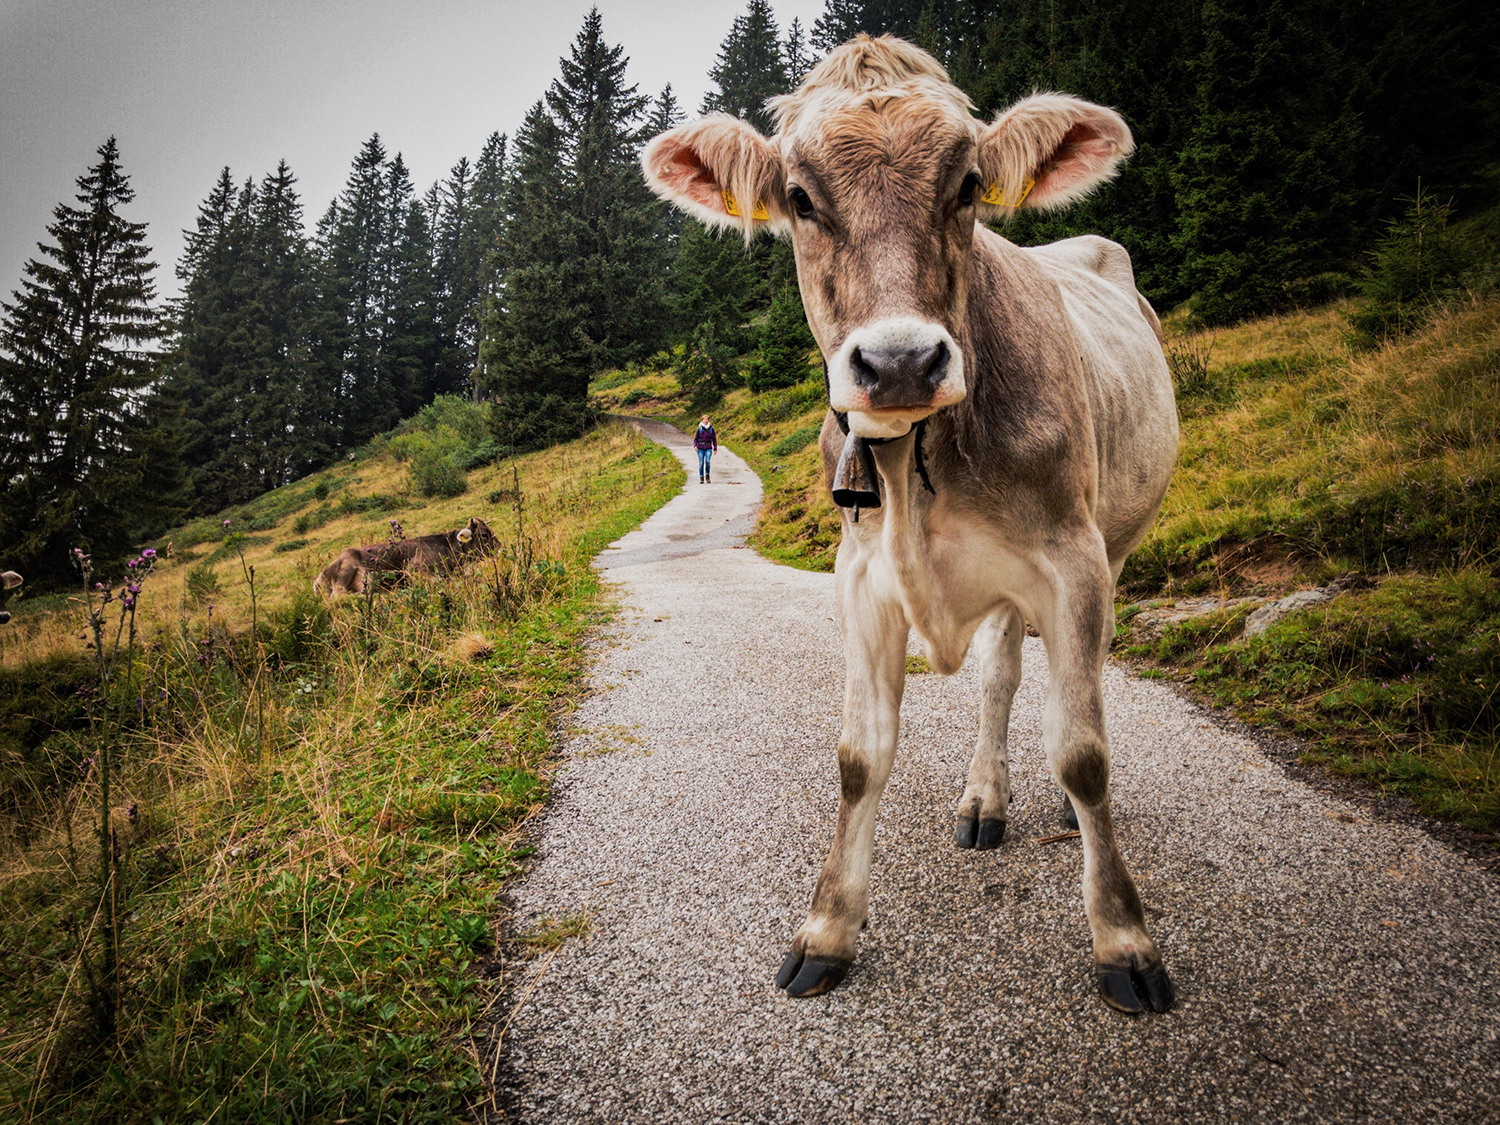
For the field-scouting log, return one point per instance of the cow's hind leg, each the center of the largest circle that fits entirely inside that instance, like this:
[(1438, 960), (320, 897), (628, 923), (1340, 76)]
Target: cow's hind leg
[(875, 657), (1127, 964), (983, 808)]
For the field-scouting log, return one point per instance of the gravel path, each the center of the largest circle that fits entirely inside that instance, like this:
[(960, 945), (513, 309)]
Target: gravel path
[(1331, 966)]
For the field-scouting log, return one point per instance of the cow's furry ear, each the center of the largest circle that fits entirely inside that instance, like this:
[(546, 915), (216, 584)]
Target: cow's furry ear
[(1047, 151), (720, 170), (11, 579), (465, 534)]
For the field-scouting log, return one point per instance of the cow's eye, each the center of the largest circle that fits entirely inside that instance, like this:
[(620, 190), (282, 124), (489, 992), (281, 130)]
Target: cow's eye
[(801, 204), (967, 190)]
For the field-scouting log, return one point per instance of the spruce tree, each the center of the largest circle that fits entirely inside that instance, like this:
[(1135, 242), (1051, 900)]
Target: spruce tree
[(536, 355), (281, 436), (454, 293), (1263, 210), (581, 253), (796, 55), (239, 369), (408, 337), (201, 359), (750, 68), (718, 287), (355, 285), (77, 408), (784, 341)]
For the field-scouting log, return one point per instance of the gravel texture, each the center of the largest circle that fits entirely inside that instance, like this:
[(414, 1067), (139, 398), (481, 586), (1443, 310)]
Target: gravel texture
[(1331, 965)]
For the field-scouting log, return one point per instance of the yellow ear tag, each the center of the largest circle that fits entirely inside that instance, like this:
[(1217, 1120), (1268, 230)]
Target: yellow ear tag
[(733, 208), (994, 198)]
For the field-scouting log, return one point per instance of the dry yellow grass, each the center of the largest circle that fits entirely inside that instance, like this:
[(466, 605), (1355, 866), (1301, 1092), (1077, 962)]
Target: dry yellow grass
[(553, 484)]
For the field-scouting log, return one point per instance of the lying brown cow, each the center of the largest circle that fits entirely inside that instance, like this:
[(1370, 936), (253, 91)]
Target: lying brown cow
[(426, 554), (8, 582)]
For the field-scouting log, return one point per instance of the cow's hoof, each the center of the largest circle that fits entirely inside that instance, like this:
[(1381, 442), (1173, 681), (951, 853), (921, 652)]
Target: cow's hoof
[(1069, 814), (809, 976), (1132, 992), (982, 835), (991, 833), (966, 832)]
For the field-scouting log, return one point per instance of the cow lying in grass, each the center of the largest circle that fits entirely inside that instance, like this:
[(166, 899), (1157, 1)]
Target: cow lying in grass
[(8, 582), (426, 554)]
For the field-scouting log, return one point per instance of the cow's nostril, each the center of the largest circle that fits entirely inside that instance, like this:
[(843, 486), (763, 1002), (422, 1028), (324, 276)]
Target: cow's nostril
[(937, 369), (865, 376)]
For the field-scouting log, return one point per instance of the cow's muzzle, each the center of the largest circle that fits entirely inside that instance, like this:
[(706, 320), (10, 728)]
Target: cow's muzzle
[(891, 374), (4, 616)]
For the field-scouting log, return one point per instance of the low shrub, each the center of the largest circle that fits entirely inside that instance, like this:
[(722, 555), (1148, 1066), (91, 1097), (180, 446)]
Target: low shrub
[(434, 472), (301, 629), (797, 439), (202, 582), (1419, 264), (782, 405)]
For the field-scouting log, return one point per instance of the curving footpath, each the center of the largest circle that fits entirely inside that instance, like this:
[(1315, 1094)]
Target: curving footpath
[(1333, 965)]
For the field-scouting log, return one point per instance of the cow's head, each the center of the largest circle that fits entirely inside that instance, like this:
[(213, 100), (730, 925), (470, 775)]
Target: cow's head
[(879, 171), (476, 537), (9, 580)]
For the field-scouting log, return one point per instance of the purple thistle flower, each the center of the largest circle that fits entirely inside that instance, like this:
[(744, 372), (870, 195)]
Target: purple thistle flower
[(226, 525), (149, 553)]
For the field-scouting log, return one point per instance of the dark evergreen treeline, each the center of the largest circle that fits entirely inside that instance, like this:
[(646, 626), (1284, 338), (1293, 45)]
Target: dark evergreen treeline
[(288, 350), (1274, 140)]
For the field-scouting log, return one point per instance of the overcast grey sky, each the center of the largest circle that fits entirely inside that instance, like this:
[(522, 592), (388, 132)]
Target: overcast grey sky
[(188, 86)]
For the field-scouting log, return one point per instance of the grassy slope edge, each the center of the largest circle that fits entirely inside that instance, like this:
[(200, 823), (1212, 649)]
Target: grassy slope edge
[(327, 808)]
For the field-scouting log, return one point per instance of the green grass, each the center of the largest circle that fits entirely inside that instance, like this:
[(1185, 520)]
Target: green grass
[(1395, 684), (327, 810), (1302, 459)]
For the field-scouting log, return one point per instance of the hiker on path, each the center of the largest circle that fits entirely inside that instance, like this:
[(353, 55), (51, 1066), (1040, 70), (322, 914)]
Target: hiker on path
[(706, 442)]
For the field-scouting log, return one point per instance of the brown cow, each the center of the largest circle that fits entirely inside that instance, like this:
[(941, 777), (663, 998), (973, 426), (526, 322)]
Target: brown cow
[(1003, 417), (426, 554), (9, 580)]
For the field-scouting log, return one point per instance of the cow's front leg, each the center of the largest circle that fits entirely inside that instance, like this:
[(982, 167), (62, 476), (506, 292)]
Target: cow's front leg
[(983, 809), (1127, 964), (875, 634)]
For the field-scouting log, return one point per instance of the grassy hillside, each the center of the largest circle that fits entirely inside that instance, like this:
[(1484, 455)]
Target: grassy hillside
[(1304, 458), (1303, 461), (311, 809)]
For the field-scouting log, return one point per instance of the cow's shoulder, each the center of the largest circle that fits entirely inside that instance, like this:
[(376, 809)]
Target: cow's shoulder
[(1090, 253)]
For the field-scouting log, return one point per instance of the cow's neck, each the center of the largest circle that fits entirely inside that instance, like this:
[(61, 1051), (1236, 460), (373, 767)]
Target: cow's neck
[(908, 515)]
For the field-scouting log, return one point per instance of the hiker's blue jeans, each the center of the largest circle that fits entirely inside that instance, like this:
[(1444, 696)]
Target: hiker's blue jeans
[(704, 456)]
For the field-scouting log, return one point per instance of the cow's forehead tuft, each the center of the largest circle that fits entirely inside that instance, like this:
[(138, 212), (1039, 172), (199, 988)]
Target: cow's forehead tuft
[(936, 104), (874, 131), (884, 68)]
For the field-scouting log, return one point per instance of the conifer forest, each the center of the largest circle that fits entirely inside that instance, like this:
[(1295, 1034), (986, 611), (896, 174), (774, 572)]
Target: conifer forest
[(1275, 143)]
